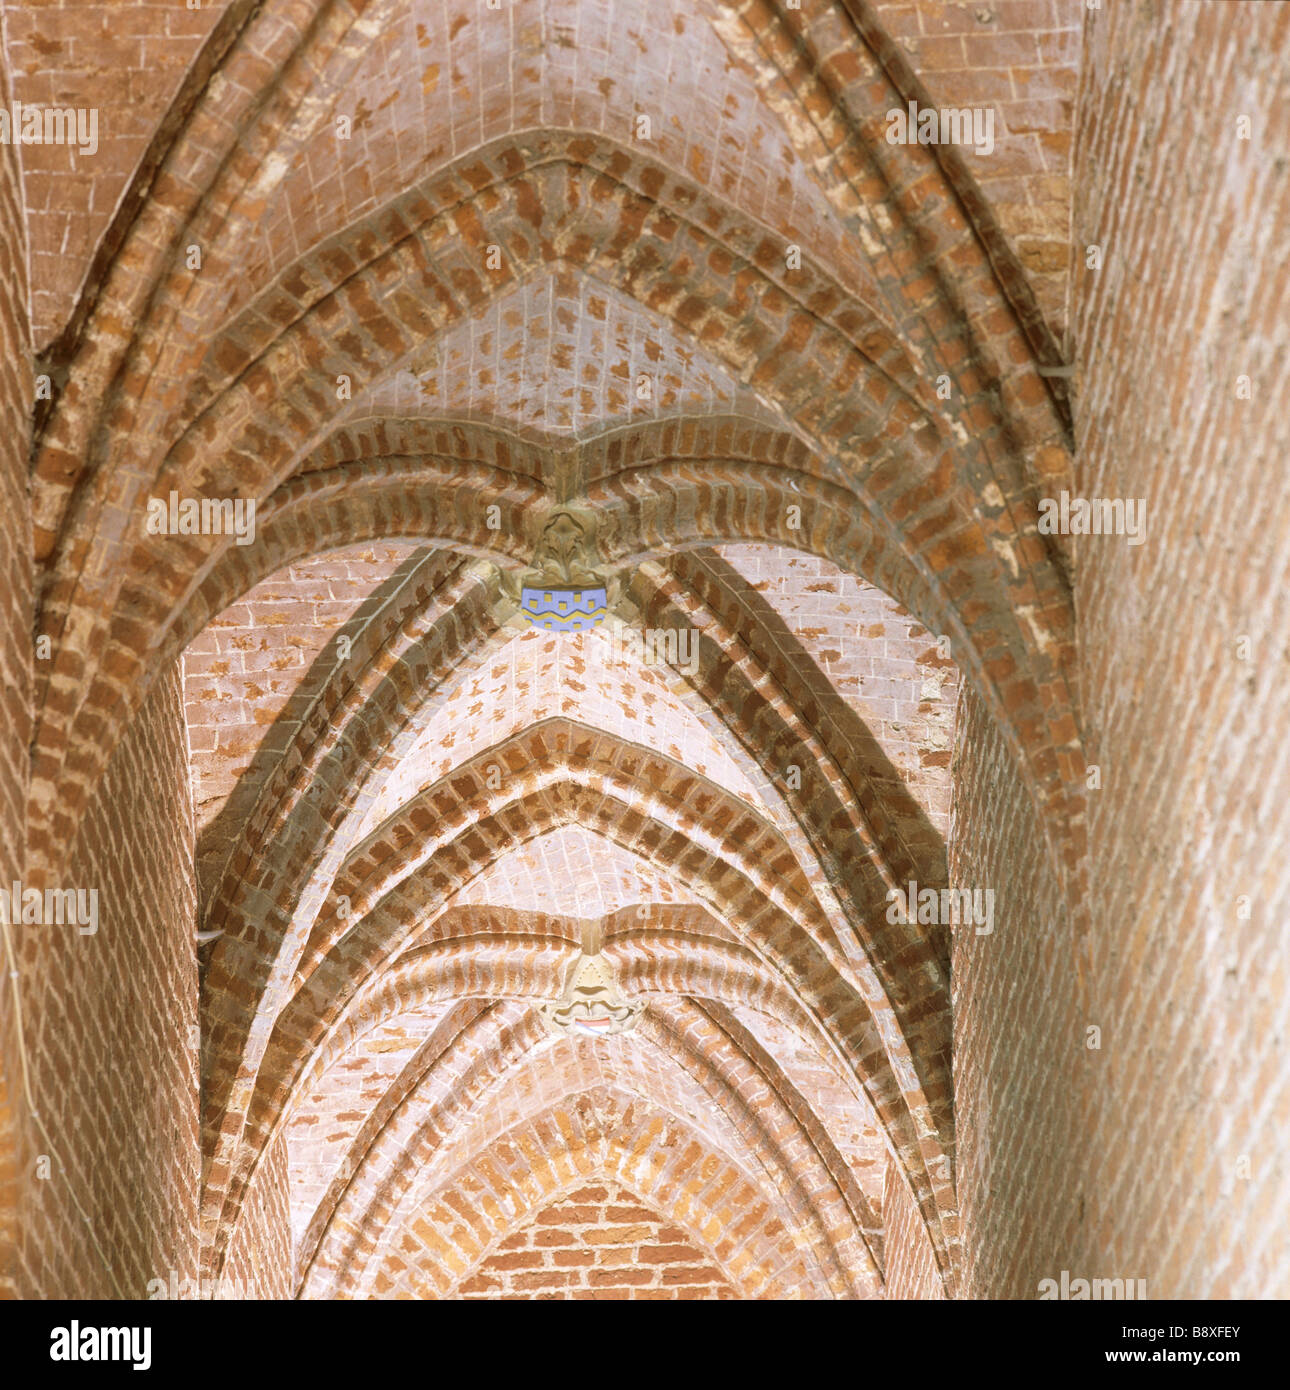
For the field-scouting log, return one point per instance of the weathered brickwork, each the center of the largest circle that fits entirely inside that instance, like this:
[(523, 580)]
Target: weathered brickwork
[(1187, 960), (11, 1147), (882, 663), (251, 675), (123, 61), (496, 368), (1018, 59), (598, 1243), (328, 1121), (642, 302), (807, 359), (599, 1136), (111, 1031), (16, 606), (596, 677), (1089, 1051), (260, 1264), (366, 883), (1018, 1040), (911, 1264)]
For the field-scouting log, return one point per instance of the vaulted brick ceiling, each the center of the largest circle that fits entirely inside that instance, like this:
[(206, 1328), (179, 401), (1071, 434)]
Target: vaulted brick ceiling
[(411, 810)]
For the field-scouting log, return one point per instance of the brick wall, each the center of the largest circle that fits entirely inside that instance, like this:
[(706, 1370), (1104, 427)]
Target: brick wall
[(1188, 1157), (10, 1186), (1016, 1040), (911, 1262), (597, 1243), (111, 1031), (15, 634), (1019, 59), (1154, 1147), (124, 58), (260, 1257), (249, 677), (882, 663)]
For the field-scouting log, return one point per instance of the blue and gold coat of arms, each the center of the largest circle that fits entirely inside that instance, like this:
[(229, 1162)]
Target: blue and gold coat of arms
[(564, 610), (563, 592)]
